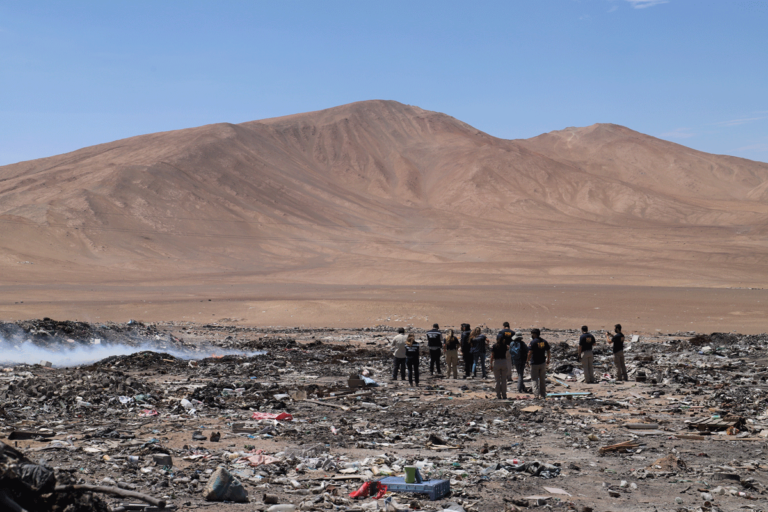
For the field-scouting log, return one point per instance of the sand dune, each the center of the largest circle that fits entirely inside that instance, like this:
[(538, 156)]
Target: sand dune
[(379, 193)]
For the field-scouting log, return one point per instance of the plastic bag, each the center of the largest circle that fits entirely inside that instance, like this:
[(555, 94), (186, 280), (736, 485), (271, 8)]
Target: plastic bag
[(363, 492)]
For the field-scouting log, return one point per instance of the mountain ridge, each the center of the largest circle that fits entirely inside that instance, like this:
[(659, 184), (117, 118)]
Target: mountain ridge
[(391, 188)]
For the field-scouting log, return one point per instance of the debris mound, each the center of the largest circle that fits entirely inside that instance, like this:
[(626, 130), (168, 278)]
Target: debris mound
[(28, 486)]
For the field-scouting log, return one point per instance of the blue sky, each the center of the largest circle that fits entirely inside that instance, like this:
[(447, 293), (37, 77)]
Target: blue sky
[(74, 74)]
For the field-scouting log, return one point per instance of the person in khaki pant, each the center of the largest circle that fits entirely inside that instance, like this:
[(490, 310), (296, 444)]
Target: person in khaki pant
[(500, 368), (452, 354), (617, 341), (587, 358), (538, 359)]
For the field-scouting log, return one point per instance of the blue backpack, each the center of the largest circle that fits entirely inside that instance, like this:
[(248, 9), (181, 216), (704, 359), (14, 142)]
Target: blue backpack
[(515, 350)]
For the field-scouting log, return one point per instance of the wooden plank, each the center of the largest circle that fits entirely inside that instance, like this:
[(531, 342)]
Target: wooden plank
[(328, 404), (641, 426)]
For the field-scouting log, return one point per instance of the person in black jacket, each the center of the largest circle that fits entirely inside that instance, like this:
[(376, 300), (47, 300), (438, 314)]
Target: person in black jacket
[(538, 357), (587, 358), (519, 352), (466, 350), (412, 359), (435, 344), (499, 366), (617, 341), (478, 341)]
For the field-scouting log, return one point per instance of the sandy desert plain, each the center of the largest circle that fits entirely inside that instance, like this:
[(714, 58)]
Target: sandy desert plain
[(377, 210), (313, 237)]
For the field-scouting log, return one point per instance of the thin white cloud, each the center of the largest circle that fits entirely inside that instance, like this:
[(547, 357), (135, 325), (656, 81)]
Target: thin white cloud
[(613, 8), (642, 4), (739, 121), (678, 133), (763, 146)]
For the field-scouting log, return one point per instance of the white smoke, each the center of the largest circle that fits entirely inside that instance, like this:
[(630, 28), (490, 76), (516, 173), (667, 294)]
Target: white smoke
[(65, 354)]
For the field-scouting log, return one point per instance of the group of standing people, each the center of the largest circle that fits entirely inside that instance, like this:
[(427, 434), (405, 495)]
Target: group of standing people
[(587, 341), (509, 350)]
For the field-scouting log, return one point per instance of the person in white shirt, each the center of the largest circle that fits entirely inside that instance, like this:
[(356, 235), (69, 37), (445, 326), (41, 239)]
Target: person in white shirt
[(399, 345)]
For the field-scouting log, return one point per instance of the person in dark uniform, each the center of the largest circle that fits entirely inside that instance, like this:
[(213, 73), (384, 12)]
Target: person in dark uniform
[(451, 354), (478, 341), (466, 350), (587, 358), (435, 344), (412, 359), (499, 366), (538, 358), (507, 335), (519, 352), (617, 341)]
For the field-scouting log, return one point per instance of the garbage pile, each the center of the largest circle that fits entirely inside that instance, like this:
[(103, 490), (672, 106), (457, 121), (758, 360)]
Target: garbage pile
[(313, 417), (25, 485), (52, 334)]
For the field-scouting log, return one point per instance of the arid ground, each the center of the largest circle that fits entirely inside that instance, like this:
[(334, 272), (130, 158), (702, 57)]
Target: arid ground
[(383, 213)]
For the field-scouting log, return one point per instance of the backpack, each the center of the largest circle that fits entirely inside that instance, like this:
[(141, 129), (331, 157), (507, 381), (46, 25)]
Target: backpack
[(515, 350)]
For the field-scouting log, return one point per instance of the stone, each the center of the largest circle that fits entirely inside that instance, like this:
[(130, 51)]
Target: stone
[(222, 486)]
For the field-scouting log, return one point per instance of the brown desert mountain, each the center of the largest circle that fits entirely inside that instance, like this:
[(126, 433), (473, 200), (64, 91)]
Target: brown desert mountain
[(381, 194)]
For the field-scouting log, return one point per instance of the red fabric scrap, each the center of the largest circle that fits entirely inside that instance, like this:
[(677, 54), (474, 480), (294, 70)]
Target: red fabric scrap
[(272, 416)]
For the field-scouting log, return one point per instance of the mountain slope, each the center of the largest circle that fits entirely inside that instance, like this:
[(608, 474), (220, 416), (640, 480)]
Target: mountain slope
[(380, 192)]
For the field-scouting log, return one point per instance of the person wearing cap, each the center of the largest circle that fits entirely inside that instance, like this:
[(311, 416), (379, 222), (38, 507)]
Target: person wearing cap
[(435, 345), (451, 354), (538, 359), (507, 334), (466, 349), (399, 345), (587, 358), (617, 341)]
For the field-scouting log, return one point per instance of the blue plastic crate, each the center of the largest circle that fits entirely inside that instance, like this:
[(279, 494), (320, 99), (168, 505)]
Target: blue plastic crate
[(436, 489)]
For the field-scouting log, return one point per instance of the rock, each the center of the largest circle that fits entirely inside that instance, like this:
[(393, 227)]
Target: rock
[(163, 459), (222, 486), (706, 496)]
